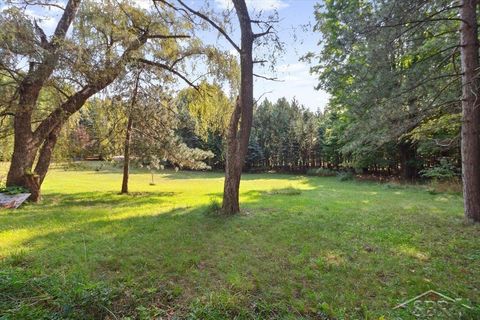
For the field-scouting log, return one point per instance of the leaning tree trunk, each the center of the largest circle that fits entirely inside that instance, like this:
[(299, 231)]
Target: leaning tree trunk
[(470, 145), (241, 121), (36, 178), (26, 142)]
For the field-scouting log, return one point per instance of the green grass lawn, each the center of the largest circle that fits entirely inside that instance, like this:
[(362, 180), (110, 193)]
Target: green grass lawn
[(304, 247)]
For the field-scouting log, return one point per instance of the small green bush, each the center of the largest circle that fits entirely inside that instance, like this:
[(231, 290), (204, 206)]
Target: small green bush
[(321, 172), (345, 176), (214, 207), (13, 190), (443, 171)]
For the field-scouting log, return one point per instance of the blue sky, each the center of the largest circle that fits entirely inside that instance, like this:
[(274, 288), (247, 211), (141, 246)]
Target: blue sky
[(296, 80)]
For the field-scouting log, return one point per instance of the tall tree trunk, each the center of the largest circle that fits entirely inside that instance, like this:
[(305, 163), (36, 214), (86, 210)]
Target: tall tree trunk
[(232, 175), (470, 145), (408, 167), (126, 156), (241, 121)]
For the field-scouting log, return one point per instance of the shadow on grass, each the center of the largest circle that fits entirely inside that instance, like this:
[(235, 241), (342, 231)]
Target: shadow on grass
[(181, 175), (78, 207), (93, 199), (203, 175), (171, 258)]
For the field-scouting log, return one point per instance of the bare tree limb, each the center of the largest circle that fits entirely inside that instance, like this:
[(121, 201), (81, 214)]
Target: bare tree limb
[(267, 78), (172, 36)]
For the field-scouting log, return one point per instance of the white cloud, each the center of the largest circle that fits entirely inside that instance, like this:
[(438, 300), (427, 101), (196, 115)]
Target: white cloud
[(257, 5), (234, 52), (297, 72), (293, 67), (46, 22), (144, 4), (296, 82)]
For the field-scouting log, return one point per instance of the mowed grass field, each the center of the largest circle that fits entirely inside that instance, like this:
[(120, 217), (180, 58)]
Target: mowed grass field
[(303, 248)]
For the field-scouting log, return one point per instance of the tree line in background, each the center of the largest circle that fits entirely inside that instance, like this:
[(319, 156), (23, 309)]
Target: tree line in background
[(286, 137)]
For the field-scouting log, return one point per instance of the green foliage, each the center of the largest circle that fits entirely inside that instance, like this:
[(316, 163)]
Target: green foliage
[(389, 86), (255, 154), (13, 190), (208, 107), (444, 170), (322, 172), (345, 176), (285, 135), (214, 207)]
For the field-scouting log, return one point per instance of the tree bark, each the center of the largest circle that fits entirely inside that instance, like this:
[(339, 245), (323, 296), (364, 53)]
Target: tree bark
[(470, 145), (46, 152), (241, 121), (409, 170), (231, 188), (26, 142), (23, 154), (126, 156), (25, 147)]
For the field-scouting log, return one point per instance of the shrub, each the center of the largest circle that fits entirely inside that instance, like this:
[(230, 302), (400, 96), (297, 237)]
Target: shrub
[(214, 207), (321, 172), (443, 171), (345, 176), (13, 190)]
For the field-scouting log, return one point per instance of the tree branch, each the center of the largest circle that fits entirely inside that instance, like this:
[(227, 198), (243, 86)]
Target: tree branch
[(173, 36), (204, 17), (168, 68), (261, 34), (267, 78), (43, 37)]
